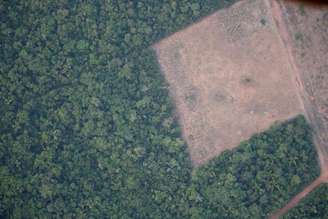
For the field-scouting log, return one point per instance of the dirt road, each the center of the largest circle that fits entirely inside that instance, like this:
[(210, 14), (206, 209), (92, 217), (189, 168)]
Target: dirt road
[(292, 203), (235, 72), (308, 65)]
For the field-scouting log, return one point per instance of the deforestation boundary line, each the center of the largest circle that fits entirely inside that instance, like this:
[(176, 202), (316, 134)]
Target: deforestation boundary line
[(277, 12)]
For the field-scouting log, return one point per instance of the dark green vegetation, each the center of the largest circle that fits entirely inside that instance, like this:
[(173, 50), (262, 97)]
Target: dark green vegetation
[(86, 124), (259, 176), (314, 206)]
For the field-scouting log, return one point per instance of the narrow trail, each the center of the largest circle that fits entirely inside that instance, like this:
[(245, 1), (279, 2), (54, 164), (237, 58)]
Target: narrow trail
[(292, 203), (278, 13)]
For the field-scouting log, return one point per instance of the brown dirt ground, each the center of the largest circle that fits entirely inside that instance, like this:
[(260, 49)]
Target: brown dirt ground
[(230, 77), (304, 30)]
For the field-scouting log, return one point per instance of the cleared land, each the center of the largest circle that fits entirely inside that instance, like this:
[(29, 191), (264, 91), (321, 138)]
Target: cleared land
[(230, 77), (304, 30), (307, 41)]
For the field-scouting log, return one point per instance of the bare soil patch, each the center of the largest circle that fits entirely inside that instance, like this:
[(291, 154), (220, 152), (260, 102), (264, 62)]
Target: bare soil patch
[(230, 77), (304, 31)]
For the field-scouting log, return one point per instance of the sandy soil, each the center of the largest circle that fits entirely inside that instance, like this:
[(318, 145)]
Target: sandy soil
[(304, 31), (230, 77)]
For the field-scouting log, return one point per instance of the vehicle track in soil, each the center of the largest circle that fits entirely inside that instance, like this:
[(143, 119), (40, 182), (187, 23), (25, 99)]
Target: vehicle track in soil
[(278, 11)]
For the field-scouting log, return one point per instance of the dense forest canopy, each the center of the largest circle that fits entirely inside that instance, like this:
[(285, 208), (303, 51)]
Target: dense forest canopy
[(87, 129), (314, 206), (259, 176)]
